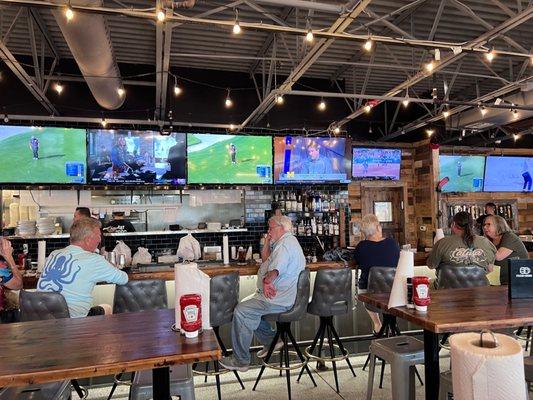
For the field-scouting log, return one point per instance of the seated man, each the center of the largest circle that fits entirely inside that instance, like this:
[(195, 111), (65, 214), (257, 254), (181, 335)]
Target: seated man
[(74, 270), (81, 212), (10, 276), (277, 281)]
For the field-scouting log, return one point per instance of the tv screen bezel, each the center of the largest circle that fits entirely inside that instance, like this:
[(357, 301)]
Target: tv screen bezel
[(377, 178)]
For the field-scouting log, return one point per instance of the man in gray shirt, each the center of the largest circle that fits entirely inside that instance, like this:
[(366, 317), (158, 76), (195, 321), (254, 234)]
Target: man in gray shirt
[(277, 281)]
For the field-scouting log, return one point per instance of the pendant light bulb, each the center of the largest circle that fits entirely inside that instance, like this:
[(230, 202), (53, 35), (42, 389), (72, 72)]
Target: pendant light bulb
[(446, 114), (322, 105), (121, 92), (368, 45), (160, 15), (279, 99), (58, 87), (69, 13), (309, 37)]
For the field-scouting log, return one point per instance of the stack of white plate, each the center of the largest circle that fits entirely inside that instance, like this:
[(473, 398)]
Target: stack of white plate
[(26, 228), (46, 225)]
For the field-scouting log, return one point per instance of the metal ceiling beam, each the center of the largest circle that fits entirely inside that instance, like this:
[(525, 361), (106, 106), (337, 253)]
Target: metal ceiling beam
[(17, 69), (450, 59), (163, 41), (12, 25), (339, 26), (44, 31), (307, 5)]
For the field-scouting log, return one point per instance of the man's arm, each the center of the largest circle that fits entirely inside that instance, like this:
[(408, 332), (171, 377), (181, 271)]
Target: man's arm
[(265, 251), (6, 251), (109, 273)]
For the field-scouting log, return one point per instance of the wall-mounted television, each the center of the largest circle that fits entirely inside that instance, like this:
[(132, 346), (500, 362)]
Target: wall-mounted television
[(229, 159), (461, 173), (136, 157), (42, 155), (373, 163), (299, 159), (508, 174)]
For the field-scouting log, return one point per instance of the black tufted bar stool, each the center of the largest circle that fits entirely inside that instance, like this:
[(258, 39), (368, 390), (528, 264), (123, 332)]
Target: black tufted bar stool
[(332, 295), (224, 297), (136, 296), (283, 330), (38, 306)]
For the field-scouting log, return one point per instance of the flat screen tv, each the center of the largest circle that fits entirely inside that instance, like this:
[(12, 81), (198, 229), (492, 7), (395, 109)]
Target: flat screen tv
[(136, 157), (372, 163), (461, 173), (42, 155), (299, 159), (229, 159), (508, 174)]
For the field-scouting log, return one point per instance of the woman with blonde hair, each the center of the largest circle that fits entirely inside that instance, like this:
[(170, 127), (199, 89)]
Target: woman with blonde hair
[(374, 251), (508, 244)]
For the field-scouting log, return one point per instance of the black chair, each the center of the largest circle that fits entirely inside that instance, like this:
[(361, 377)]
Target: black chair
[(456, 277), (136, 296), (38, 306), (332, 295), (224, 297), (283, 329)]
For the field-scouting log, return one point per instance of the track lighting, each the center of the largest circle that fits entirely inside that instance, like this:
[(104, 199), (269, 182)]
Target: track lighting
[(434, 93), (104, 122), (160, 15), (228, 103), (6, 118), (515, 113), (236, 25), (58, 87), (483, 110), (463, 133), (322, 105), (279, 99)]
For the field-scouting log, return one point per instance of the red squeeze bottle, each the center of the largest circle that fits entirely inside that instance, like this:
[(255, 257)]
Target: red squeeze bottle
[(191, 314), (421, 293)]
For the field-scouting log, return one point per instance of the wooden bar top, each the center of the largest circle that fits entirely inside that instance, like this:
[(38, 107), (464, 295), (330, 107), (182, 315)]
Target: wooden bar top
[(460, 310), (51, 350)]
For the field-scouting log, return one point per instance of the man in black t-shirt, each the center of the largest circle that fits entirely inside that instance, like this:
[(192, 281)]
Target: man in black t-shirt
[(119, 224)]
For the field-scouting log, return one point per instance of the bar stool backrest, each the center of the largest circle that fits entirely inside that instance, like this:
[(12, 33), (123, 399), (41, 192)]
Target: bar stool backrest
[(454, 277), (140, 295), (36, 306), (380, 279), (224, 297), (299, 308), (332, 293)]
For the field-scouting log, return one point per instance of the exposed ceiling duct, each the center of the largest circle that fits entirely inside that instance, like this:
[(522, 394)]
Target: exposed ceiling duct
[(482, 119), (89, 41)]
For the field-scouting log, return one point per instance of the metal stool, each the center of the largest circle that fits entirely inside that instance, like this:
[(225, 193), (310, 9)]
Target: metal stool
[(224, 297), (403, 353), (446, 386), (332, 295), (181, 384), (38, 306), (136, 296), (283, 329)]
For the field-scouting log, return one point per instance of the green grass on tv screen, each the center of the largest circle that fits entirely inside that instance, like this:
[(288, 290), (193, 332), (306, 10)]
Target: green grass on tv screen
[(229, 159)]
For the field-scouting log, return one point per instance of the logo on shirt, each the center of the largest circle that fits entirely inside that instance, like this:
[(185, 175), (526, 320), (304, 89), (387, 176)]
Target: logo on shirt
[(468, 256), (58, 272), (524, 272)]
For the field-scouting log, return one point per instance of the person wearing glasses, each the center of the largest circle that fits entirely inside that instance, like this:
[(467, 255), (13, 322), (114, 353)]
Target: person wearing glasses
[(277, 281)]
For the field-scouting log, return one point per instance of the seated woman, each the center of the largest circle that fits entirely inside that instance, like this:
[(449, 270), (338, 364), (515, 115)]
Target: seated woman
[(374, 251), (508, 244), (463, 247)]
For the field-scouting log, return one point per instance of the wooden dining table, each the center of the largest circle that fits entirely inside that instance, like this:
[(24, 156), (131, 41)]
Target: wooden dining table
[(457, 310), (60, 349)]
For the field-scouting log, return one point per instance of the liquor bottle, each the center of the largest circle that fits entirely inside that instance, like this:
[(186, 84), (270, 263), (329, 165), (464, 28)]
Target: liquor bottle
[(326, 226), (319, 227), (313, 226), (294, 204), (301, 228), (318, 203), (308, 227), (313, 203), (299, 204), (281, 202), (325, 204), (336, 227)]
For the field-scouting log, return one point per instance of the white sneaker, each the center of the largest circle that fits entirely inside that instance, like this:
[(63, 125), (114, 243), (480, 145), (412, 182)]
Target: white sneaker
[(264, 351)]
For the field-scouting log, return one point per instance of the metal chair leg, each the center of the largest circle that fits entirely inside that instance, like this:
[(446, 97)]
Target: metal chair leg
[(224, 353), (287, 363), (300, 355), (217, 378), (341, 346), (332, 354), (269, 354), (319, 334)]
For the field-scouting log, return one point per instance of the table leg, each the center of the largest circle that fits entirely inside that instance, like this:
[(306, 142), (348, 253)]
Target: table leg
[(431, 364), (161, 383)]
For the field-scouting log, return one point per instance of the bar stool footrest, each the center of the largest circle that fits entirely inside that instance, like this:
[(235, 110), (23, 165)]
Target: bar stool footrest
[(281, 368)]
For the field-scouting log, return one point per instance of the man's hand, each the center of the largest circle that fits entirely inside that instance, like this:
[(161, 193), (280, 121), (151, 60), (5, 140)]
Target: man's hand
[(269, 289), (6, 250)]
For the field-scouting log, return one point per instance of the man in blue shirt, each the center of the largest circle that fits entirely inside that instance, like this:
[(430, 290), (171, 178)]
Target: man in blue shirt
[(74, 270), (277, 281), (34, 146)]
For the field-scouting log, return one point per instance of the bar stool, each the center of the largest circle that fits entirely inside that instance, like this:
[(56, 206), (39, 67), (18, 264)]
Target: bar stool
[(283, 329), (446, 386), (224, 297), (138, 296), (403, 353), (332, 295), (38, 306)]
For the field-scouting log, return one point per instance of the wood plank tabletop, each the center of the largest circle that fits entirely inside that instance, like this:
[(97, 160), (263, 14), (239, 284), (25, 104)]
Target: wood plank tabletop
[(51, 350), (460, 310)]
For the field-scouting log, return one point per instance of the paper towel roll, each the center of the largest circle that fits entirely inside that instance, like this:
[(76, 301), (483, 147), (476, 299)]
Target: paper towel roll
[(189, 279), (233, 252), (439, 234), (14, 214), (404, 270), (41, 255), (225, 249), (487, 373)]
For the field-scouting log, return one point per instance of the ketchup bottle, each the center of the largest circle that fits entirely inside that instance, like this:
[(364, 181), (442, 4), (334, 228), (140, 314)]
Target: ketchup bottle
[(191, 314), (421, 293)]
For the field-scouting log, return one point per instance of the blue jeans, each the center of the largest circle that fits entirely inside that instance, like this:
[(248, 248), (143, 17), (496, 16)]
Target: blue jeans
[(247, 321)]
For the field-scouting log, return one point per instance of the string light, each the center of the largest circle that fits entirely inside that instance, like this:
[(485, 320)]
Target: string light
[(236, 25), (6, 118), (231, 127), (322, 105), (177, 89), (368, 45), (430, 132), (430, 66), (58, 87), (515, 114), (121, 92), (161, 15), (483, 110), (336, 130), (406, 101), (368, 108), (516, 137), (463, 133), (228, 103), (279, 99), (490, 55), (104, 122), (309, 37), (69, 13), (446, 114)]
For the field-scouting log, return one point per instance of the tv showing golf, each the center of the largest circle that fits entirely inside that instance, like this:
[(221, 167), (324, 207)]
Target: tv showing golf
[(461, 173), (42, 155), (229, 158), (508, 174), (136, 157)]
